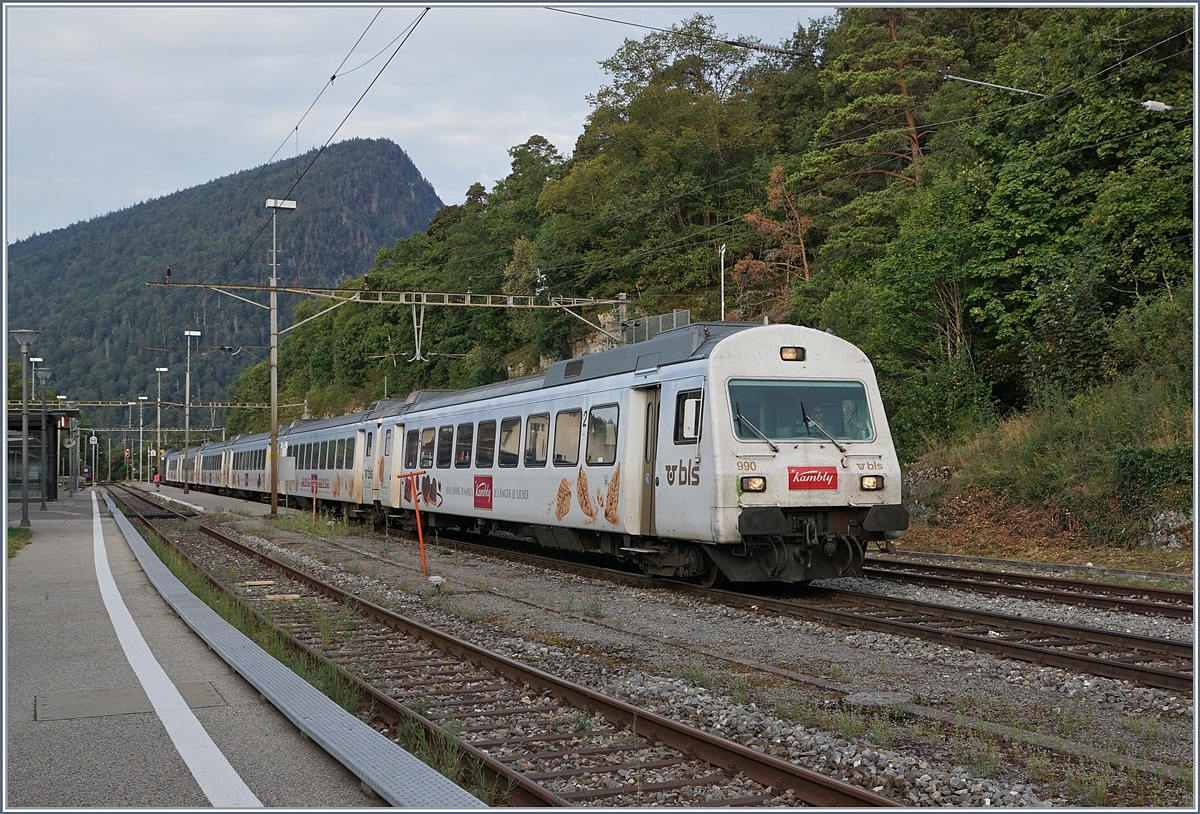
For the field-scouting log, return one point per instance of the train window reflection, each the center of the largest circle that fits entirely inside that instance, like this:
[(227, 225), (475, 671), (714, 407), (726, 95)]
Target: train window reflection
[(324, 455), (485, 445), (510, 441), (412, 447), (445, 446), (602, 435), (566, 437), (804, 410), (427, 448), (339, 458), (462, 446), (537, 439)]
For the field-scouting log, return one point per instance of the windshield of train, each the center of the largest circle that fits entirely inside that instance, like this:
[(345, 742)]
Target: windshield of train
[(804, 410)]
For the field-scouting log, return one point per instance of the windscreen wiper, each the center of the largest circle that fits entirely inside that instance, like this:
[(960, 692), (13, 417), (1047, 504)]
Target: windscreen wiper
[(810, 420), (743, 420)]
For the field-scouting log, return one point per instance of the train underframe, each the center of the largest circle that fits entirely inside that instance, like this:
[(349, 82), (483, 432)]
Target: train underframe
[(803, 546), (777, 545)]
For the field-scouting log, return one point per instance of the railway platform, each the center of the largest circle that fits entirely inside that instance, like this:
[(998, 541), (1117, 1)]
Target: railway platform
[(195, 500), (117, 695)]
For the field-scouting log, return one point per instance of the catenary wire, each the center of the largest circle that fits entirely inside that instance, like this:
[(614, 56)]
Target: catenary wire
[(321, 151)]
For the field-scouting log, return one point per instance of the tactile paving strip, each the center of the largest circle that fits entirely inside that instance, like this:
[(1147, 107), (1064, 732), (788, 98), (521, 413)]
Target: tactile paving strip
[(394, 774)]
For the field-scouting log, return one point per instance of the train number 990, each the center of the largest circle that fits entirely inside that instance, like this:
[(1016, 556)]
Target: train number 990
[(747, 466)]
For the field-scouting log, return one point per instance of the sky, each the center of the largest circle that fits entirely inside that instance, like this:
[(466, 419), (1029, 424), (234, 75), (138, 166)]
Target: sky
[(109, 106)]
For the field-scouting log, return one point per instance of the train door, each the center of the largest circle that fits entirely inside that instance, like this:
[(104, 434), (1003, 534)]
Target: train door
[(387, 463), (649, 456), (365, 464)]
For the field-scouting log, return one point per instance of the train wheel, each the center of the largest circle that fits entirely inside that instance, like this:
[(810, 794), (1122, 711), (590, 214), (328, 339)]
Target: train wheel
[(710, 575)]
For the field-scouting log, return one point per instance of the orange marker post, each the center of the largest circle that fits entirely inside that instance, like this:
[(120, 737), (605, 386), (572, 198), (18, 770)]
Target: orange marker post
[(412, 476)]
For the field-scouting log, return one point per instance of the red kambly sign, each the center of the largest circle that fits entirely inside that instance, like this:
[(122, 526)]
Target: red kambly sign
[(812, 477), (483, 492)]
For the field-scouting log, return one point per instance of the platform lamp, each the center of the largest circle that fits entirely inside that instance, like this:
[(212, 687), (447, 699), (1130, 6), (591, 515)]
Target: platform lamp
[(158, 423), (43, 376), (141, 443), (34, 361), (62, 402), (187, 409), (273, 453), (24, 338)]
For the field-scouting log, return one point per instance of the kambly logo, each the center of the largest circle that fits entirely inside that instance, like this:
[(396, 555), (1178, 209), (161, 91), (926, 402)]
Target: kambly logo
[(483, 492), (812, 477)]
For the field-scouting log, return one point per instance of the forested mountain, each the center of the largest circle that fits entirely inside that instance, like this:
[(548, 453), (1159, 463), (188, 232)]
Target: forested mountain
[(993, 249), (84, 285)]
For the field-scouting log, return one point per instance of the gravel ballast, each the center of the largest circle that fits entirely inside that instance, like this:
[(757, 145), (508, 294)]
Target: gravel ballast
[(787, 687)]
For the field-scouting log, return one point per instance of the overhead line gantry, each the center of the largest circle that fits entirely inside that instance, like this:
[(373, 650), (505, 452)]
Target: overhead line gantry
[(417, 301)]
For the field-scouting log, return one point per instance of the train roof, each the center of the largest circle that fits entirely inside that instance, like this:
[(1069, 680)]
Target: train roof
[(694, 341), (307, 424)]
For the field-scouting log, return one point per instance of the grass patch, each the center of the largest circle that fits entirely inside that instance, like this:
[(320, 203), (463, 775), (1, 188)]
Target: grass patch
[(260, 630), (18, 538)]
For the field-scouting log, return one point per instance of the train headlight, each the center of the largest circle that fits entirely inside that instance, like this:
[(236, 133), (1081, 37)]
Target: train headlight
[(871, 483), (754, 483), (792, 354)]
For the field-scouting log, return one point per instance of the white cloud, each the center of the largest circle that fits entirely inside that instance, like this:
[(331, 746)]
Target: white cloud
[(107, 106)]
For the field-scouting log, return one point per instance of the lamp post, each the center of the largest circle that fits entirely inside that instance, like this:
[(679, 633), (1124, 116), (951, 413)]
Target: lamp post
[(141, 444), (34, 361), (43, 376), (158, 425), (722, 282), (187, 408), (62, 400), (273, 453), (24, 338)]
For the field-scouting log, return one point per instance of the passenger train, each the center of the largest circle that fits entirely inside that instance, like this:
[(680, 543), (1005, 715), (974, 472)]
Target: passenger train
[(712, 452)]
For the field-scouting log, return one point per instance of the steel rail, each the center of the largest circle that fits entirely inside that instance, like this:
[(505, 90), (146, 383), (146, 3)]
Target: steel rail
[(809, 786), (520, 791), (1080, 662), (1162, 601)]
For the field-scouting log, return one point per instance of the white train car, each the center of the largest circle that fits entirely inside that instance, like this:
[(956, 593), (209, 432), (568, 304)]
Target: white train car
[(714, 451), (328, 457), (753, 452)]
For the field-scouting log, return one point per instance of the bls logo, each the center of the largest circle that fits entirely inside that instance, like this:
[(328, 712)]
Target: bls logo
[(689, 473), (483, 492), (870, 466)]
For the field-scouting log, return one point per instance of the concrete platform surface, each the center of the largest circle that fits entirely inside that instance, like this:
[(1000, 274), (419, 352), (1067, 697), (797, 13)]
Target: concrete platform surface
[(80, 730)]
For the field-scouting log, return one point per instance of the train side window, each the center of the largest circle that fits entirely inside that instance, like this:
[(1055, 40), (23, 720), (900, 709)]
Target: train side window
[(462, 445), (566, 437), (349, 453), (485, 445), (370, 440), (687, 417), (412, 447), (339, 459), (445, 446), (537, 439), (324, 464), (308, 456), (510, 441), (602, 435), (387, 443), (427, 448)]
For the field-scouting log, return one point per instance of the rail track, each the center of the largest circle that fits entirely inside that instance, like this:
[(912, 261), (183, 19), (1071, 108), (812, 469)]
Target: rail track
[(1146, 660), (1131, 599), (536, 739)]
